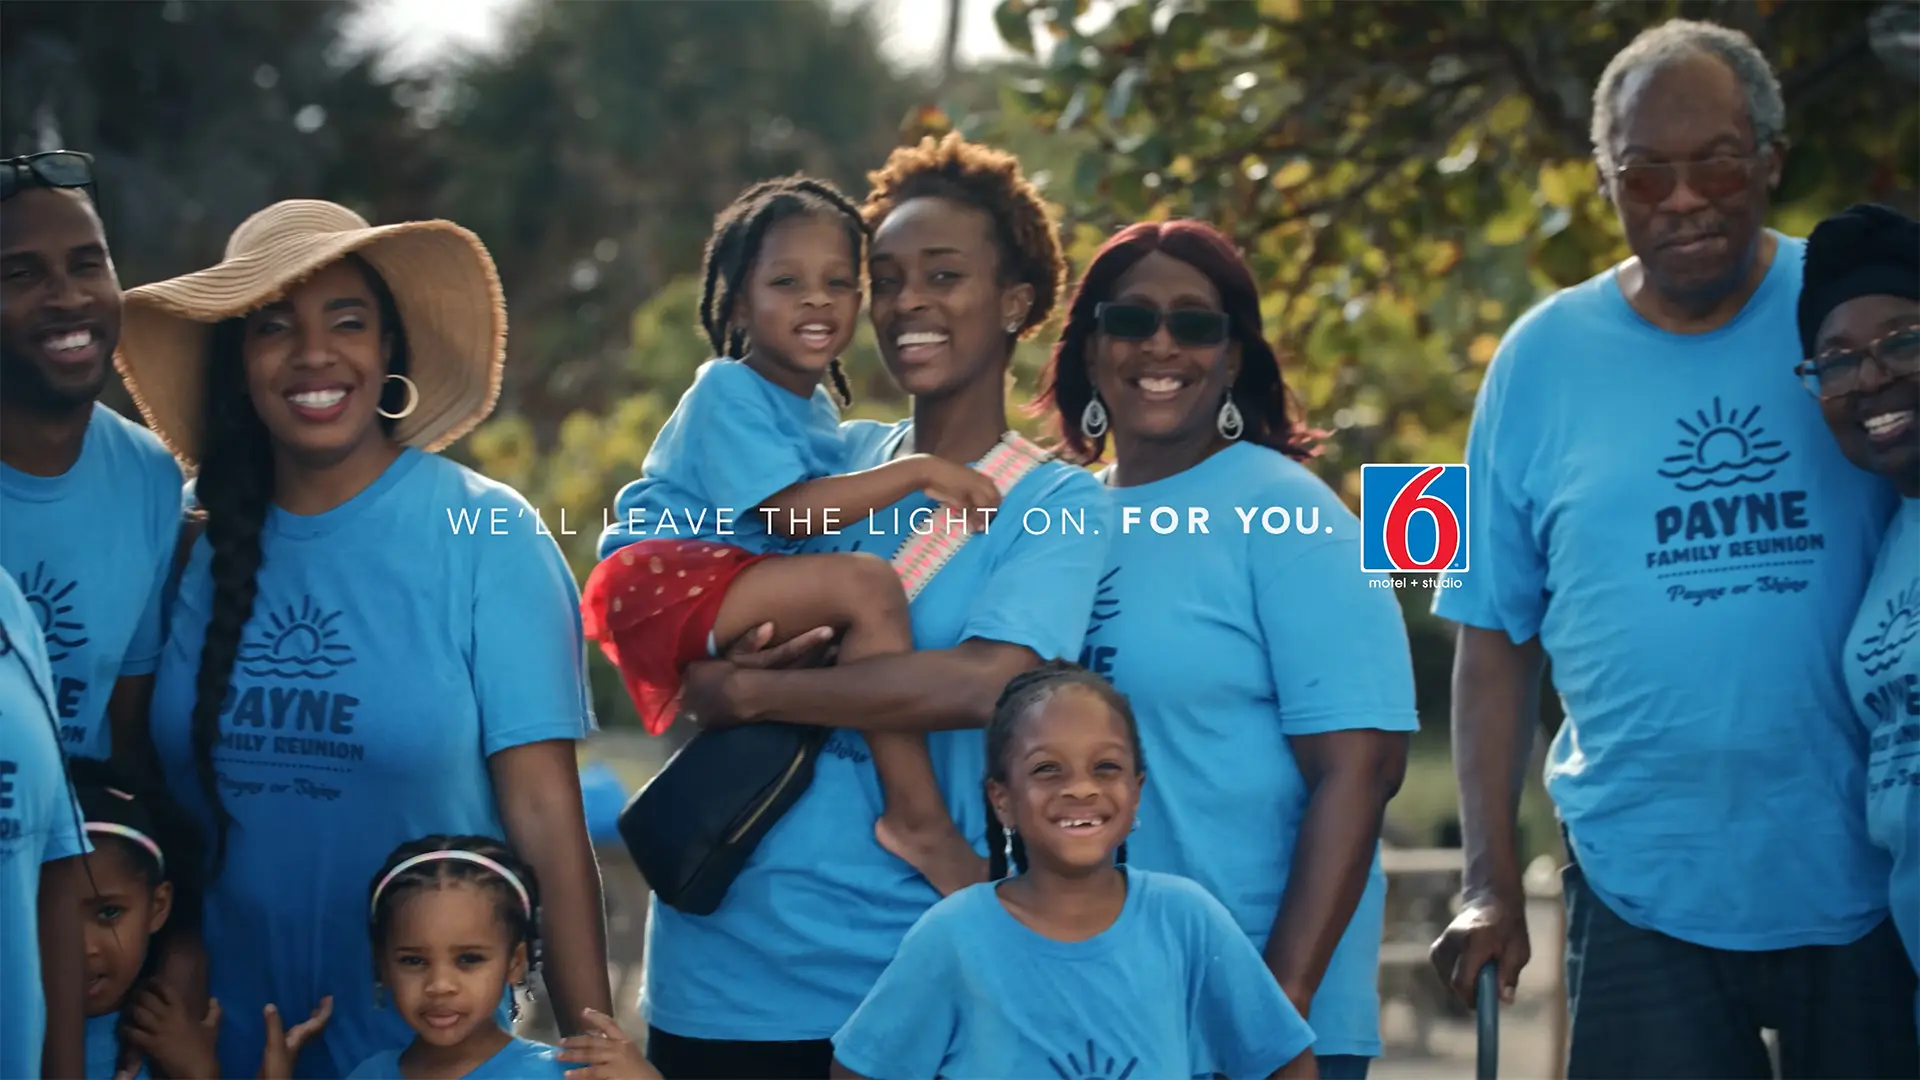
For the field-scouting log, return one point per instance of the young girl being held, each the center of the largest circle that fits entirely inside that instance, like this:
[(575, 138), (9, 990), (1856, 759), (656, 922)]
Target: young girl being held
[(452, 921), (141, 884), (747, 467), (1078, 966)]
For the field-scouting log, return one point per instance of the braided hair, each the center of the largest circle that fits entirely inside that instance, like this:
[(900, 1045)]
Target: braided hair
[(522, 921), (735, 245), (234, 489), (1024, 694), (1027, 239), (111, 794)]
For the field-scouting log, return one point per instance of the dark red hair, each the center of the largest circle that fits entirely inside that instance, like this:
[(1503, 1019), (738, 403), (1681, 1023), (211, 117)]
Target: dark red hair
[(1264, 400)]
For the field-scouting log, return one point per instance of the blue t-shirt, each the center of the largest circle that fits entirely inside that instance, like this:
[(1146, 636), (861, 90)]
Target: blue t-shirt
[(1882, 661), (520, 1059), (103, 1048), (390, 654), (818, 911), (92, 550), (39, 823), (1670, 516), (734, 441), (1171, 989), (1229, 642)]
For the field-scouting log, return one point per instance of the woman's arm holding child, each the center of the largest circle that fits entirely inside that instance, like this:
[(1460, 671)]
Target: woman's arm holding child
[(816, 506)]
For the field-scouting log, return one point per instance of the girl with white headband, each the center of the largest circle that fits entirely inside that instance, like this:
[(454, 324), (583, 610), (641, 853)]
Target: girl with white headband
[(142, 882), (454, 922)]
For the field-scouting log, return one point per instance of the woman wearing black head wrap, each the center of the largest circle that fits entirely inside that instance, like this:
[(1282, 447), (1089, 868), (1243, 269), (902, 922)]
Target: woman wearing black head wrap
[(1860, 325)]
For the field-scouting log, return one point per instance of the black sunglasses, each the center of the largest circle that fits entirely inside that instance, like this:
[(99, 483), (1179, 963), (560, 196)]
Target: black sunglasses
[(51, 169), (1137, 322)]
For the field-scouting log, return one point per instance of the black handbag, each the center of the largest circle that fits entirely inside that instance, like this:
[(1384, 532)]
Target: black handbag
[(693, 827)]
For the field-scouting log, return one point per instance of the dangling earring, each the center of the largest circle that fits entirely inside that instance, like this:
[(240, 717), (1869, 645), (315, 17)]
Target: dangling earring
[(1230, 423), (1093, 418), (1009, 852), (413, 399)]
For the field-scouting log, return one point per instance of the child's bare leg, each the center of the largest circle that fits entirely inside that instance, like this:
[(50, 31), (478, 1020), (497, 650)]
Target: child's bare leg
[(860, 596), (915, 825)]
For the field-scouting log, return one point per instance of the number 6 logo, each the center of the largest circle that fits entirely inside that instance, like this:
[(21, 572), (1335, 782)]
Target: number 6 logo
[(1413, 519)]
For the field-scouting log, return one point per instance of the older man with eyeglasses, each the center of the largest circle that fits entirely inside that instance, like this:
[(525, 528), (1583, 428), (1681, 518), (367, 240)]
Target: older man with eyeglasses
[(90, 501), (1657, 506)]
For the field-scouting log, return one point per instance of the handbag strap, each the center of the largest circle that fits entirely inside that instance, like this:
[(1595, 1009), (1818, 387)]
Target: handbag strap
[(924, 554)]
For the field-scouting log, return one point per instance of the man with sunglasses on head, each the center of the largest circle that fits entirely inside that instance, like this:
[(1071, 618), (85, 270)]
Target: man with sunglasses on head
[(90, 502), (1656, 506)]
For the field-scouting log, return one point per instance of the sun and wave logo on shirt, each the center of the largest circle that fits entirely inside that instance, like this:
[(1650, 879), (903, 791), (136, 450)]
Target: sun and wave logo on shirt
[(1106, 606), (1723, 449), (296, 643), (52, 601), (1097, 1066), (1883, 648)]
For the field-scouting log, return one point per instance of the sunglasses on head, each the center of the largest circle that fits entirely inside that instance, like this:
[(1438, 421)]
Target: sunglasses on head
[(52, 169), (1716, 177), (1138, 322)]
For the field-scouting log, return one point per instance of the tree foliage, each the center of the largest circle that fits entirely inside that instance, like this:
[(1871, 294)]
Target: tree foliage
[(1405, 177)]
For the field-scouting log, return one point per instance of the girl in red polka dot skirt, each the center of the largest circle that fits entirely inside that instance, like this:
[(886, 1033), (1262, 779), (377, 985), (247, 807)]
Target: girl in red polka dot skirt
[(748, 466)]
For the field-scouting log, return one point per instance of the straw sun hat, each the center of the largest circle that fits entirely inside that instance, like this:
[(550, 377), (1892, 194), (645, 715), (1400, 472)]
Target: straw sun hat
[(442, 279)]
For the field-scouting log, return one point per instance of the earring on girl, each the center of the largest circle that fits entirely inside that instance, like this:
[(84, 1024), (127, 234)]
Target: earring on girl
[(1093, 419), (413, 400), (1230, 423), (379, 994), (1009, 850)]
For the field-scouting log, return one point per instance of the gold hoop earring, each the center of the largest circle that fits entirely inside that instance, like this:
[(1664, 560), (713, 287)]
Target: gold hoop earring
[(413, 400)]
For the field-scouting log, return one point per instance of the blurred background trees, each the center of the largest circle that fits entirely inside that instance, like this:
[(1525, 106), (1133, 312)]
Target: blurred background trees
[(1406, 177)]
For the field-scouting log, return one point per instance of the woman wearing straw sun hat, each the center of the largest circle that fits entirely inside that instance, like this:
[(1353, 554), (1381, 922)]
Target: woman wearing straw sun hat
[(370, 643)]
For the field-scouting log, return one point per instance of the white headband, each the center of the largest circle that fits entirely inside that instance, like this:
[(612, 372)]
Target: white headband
[(128, 832), (526, 903)]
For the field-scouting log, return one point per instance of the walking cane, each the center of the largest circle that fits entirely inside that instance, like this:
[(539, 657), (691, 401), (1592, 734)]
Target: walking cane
[(1486, 1019)]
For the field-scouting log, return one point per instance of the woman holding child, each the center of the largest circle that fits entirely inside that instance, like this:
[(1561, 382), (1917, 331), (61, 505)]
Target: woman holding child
[(347, 672), (1273, 687), (964, 262)]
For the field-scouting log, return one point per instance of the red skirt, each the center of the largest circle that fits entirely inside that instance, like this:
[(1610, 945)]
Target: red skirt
[(651, 606)]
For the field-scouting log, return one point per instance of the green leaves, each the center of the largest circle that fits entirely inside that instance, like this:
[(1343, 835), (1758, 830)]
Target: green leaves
[(1011, 18), (1404, 177)]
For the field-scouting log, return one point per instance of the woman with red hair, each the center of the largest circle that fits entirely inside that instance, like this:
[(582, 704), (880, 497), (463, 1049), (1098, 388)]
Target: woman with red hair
[(1272, 683)]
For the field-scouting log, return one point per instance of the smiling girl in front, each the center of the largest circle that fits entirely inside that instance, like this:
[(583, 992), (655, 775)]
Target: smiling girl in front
[(1078, 967), (452, 919)]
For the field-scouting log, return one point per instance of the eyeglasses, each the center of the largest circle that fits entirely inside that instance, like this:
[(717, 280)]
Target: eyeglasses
[(1711, 178), (51, 169), (1836, 374), (1138, 322)]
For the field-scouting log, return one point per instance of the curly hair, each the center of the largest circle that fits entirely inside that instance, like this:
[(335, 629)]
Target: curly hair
[(1260, 390), (735, 243), (979, 176)]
